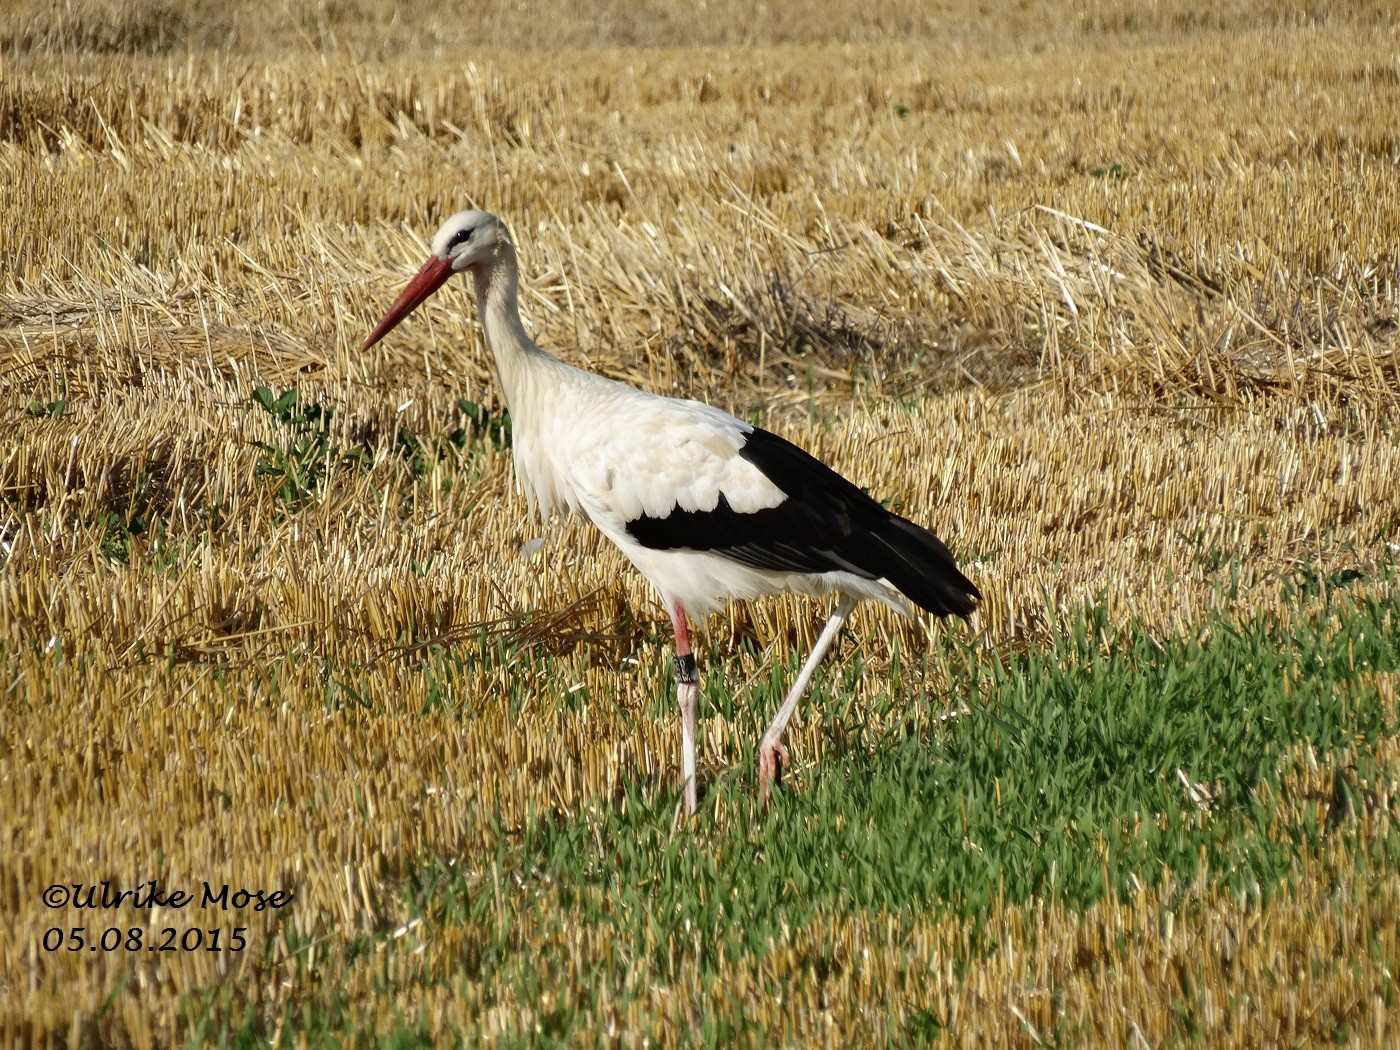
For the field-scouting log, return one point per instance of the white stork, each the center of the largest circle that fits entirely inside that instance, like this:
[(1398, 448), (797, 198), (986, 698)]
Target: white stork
[(706, 506)]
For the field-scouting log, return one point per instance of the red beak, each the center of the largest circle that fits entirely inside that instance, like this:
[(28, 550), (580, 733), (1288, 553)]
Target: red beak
[(426, 281)]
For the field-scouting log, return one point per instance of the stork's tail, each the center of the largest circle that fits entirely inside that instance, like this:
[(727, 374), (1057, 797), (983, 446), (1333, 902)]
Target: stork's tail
[(921, 566)]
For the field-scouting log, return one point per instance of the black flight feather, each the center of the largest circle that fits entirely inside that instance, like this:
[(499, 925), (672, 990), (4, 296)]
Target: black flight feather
[(826, 524)]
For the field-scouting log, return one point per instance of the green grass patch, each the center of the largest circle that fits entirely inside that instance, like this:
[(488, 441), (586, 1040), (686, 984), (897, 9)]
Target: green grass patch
[(1061, 781)]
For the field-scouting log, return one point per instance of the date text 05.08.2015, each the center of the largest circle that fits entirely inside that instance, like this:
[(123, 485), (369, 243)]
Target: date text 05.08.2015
[(134, 939)]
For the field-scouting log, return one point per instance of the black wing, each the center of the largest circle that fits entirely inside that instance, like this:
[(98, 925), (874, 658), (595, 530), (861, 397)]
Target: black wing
[(825, 524)]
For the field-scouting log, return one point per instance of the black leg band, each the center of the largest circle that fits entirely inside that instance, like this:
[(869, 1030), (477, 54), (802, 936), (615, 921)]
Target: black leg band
[(686, 671)]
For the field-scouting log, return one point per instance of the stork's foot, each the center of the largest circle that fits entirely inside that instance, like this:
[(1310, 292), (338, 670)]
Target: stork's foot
[(771, 759)]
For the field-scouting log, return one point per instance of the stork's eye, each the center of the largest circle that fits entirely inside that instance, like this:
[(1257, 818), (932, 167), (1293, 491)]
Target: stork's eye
[(460, 237)]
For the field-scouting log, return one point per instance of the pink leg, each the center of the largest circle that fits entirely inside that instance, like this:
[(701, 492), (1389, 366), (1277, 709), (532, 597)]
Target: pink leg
[(687, 687), (772, 755), (771, 760)]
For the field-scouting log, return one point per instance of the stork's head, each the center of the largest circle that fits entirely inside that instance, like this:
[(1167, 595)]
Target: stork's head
[(468, 240)]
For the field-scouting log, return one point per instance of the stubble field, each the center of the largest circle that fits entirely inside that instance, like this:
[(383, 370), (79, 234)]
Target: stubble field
[(1109, 300)]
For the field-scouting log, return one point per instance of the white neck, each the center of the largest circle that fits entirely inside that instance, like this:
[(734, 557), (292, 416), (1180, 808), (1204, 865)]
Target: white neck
[(497, 302), (534, 384)]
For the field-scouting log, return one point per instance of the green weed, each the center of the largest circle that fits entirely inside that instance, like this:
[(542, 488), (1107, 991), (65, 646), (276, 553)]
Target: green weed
[(300, 465)]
